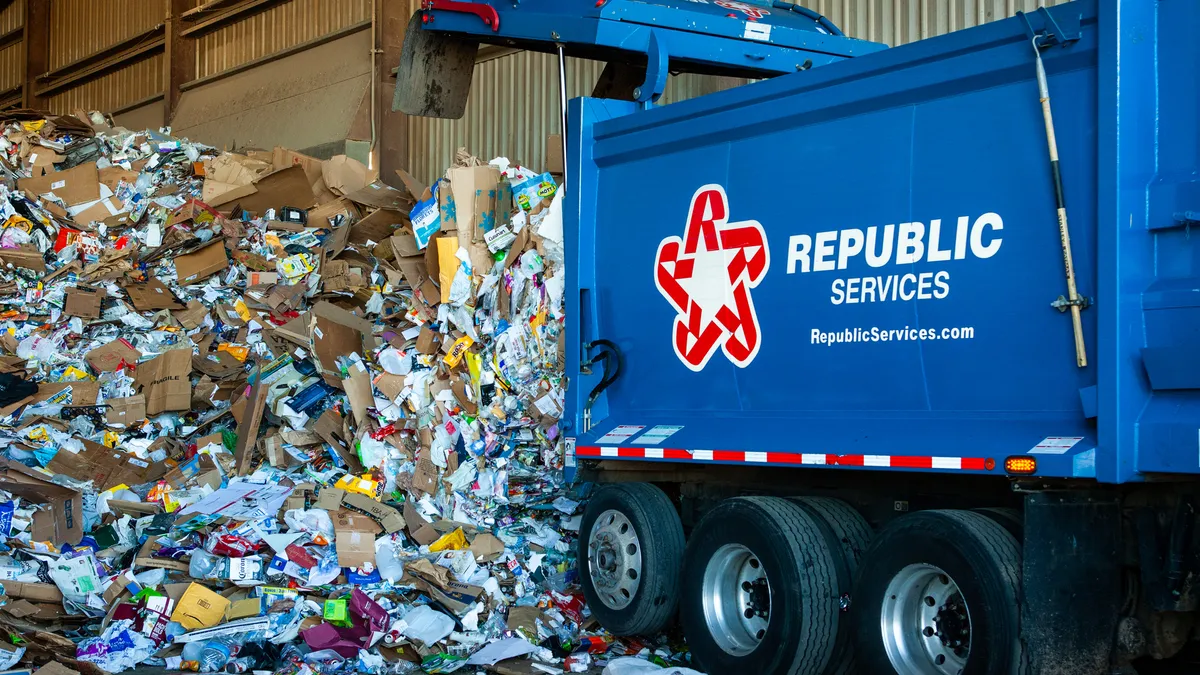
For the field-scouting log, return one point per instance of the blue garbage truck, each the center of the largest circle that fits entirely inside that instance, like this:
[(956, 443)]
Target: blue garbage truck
[(889, 361)]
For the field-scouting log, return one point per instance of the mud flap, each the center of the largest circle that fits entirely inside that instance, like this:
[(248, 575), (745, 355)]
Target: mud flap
[(434, 78), (1072, 581)]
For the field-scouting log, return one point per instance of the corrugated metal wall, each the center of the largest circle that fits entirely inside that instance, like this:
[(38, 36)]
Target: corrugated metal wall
[(12, 58), (80, 28), (279, 28), (897, 22), (514, 98), (114, 91)]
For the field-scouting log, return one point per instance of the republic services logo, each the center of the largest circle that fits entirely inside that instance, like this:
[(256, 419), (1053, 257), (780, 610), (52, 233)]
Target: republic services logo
[(707, 276)]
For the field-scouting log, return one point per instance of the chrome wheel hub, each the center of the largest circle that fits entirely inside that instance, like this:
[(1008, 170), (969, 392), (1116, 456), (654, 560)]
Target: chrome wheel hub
[(925, 622), (737, 599), (615, 559)]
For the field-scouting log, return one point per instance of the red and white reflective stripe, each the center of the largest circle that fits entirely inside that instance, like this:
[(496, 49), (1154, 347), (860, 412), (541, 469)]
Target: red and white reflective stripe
[(870, 461)]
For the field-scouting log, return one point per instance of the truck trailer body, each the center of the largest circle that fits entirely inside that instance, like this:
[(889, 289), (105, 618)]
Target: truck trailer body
[(822, 356)]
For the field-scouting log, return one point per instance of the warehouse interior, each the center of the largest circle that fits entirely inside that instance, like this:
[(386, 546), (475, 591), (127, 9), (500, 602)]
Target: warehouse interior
[(310, 74)]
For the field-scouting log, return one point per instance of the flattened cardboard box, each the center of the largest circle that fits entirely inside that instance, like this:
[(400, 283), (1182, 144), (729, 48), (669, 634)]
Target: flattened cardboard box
[(71, 394), (152, 295), (288, 187), (145, 558), (33, 592), (74, 186), (109, 358), (63, 522), (84, 302), (202, 263), (336, 332), (388, 517), (164, 381), (24, 256)]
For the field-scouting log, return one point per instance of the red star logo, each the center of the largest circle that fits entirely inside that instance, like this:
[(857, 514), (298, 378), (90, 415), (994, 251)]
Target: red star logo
[(755, 13), (707, 276)]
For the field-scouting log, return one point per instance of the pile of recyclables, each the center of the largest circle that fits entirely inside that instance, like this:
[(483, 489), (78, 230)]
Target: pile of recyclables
[(263, 412)]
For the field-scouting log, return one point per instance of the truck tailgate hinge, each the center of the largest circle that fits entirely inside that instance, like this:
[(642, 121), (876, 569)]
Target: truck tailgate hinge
[(1050, 31)]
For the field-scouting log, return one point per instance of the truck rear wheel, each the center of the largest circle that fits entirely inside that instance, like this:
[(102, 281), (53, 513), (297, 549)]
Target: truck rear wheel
[(630, 547), (850, 532), (760, 589), (937, 595)]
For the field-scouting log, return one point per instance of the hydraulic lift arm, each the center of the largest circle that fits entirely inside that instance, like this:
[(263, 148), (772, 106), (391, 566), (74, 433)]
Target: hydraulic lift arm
[(641, 40)]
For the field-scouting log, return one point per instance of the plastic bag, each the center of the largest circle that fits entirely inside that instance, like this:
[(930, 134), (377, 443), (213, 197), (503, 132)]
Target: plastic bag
[(628, 665), (426, 625)]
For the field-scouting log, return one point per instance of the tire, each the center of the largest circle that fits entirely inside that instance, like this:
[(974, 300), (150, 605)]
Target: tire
[(652, 591), (848, 532), (747, 537), (1008, 518), (929, 555)]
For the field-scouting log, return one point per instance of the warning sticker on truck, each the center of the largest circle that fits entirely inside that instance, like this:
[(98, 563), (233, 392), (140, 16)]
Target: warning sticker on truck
[(657, 435), (620, 435), (1055, 445), (757, 31)]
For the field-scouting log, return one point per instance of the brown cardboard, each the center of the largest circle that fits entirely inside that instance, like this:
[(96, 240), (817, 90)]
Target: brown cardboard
[(344, 174), (79, 394), (113, 175), (192, 316), (381, 196), (336, 332), (247, 430), (358, 390), (202, 263), (83, 301), (20, 609), (325, 214), (33, 592), (245, 608), (345, 520), (355, 549), (283, 158), (416, 274), (55, 668), (354, 538), (486, 548), (425, 475), (389, 518), (126, 411), (112, 356), (554, 155), (329, 498), (428, 341), (135, 509), (63, 522), (78, 185), (376, 227), (217, 193), (329, 428), (287, 187), (92, 463), (164, 381), (151, 296), (475, 198), (401, 244), (418, 190), (109, 209), (24, 256), (145, 558), (419, 530)]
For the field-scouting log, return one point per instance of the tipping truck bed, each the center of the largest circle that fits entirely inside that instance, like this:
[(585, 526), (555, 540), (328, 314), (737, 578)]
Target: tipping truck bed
[(854, 267)]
